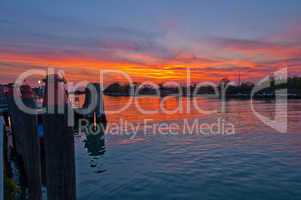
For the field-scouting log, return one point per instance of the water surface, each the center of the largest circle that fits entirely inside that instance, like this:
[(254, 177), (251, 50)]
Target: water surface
[(256, 162)]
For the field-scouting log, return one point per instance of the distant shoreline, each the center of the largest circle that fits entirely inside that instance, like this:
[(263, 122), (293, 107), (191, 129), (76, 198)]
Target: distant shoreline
[(240, 97)]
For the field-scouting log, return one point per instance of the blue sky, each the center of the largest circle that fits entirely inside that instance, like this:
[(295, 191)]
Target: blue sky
[(149, 33)]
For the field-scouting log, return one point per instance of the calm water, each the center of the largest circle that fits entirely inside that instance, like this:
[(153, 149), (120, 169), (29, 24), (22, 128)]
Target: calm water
[(256, 162)]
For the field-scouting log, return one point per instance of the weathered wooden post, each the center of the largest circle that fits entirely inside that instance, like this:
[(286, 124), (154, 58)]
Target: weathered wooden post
[(13, 116), (27, 140), (59, 142), (31, 154)]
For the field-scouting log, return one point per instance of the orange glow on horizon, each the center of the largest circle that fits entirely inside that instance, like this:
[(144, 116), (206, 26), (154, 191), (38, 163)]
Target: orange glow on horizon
[(87, 68)]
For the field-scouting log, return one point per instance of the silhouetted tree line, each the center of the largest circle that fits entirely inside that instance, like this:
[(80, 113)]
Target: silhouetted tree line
[(241, 90), (267, 89)]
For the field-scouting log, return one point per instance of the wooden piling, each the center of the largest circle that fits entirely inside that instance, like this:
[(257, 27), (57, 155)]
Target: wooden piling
[(59, 143), (13, 115), (31, 154), (27, 141)]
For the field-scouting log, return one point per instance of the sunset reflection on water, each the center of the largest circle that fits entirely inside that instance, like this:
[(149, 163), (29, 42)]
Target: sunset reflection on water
[(256, 158)]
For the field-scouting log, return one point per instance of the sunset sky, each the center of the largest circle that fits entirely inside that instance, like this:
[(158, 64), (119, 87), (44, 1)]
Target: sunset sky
[(151, 39)]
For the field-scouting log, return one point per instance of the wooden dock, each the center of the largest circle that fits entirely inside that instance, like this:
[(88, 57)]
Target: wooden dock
[(53, 147)]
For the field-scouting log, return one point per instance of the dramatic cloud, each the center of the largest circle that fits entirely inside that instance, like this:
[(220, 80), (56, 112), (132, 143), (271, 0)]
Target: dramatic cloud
[(149, 41), (258, 47)]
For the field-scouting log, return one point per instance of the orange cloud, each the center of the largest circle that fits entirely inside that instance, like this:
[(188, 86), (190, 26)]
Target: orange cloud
[(145, 66)]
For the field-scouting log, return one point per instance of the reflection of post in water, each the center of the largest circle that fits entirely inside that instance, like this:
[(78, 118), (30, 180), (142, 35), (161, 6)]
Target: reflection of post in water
[(95, 140), (95, 145)]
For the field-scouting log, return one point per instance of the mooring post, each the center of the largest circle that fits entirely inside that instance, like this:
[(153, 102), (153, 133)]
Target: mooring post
[(59, 142), (26, 139), (13, 116), (31, 155)]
